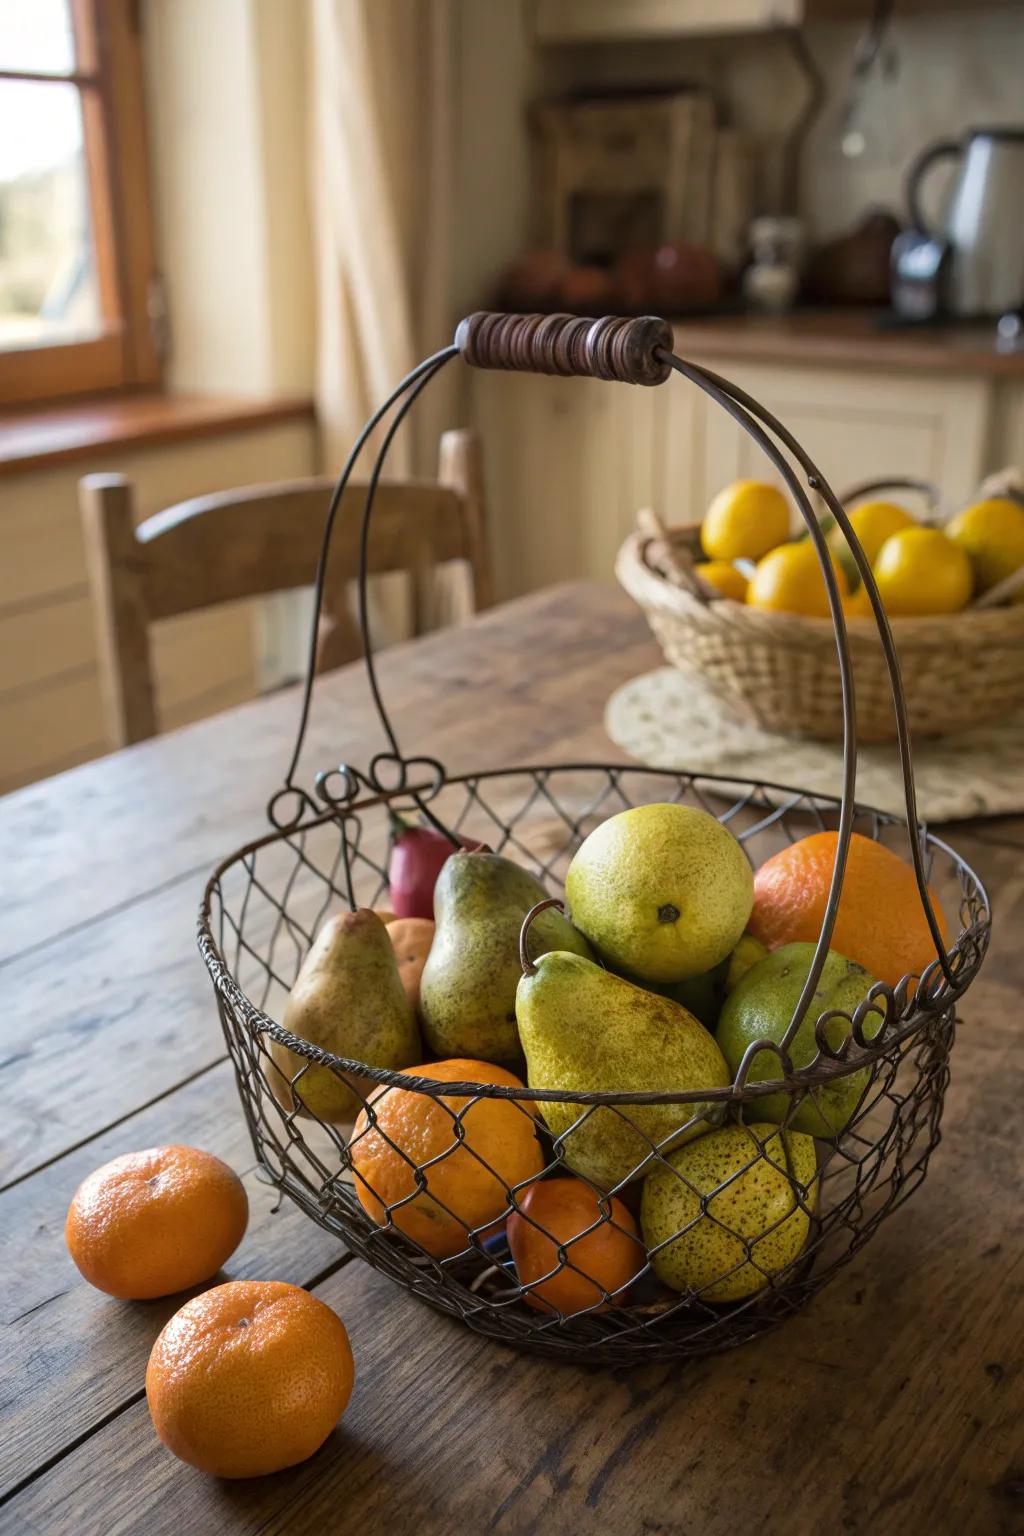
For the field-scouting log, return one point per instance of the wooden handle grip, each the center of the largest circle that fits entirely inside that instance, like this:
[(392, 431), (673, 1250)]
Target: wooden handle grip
[(615, 347)]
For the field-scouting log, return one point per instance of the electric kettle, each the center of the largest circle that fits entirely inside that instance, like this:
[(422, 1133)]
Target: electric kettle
[(983, 222)]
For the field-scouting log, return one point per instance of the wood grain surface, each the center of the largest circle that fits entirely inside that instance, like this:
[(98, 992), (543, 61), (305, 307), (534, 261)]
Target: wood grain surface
[(893, 1403)]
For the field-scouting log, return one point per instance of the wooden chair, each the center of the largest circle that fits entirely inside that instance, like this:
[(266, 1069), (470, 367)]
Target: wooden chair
[(257, 540)]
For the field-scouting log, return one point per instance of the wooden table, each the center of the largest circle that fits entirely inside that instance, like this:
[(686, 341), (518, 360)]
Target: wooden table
[(895, 1402)]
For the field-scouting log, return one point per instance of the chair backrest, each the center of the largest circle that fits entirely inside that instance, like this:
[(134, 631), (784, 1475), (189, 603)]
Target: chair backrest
[(257, 540)]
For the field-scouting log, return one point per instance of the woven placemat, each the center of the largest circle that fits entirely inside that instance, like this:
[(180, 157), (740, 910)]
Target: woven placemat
[(665, 720)]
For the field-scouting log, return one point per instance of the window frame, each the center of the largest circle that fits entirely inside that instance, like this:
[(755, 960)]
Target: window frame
[(109, 77)]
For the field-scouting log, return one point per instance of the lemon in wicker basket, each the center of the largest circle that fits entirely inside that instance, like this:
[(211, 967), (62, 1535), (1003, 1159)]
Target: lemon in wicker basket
[(873, 522), (920, 571), (745, 521), (789, 580), (992, 533)]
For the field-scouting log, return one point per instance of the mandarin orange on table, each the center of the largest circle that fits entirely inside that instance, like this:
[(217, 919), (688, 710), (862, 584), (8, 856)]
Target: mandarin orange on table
[(880, 924), (249, 1377), (577, 1251), (492, 1148), (155, 1222)]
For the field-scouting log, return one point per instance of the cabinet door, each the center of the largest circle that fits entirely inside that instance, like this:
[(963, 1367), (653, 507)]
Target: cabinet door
[(855, 426), (568, 462)]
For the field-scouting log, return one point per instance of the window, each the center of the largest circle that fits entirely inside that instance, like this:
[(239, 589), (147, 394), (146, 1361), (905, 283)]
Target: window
[(77, 291)]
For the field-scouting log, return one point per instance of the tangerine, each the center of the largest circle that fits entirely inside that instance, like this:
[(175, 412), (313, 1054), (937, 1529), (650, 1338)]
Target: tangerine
[(577, 1251), (151, 1223), (881, 922), (450, 1159), (249, 1377)]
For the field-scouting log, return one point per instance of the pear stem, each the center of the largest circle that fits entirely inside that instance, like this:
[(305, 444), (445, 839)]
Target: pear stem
[(524, 959)]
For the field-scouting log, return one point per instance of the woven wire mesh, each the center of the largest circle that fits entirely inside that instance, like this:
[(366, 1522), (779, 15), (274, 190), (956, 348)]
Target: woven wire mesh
[(360, 1181)]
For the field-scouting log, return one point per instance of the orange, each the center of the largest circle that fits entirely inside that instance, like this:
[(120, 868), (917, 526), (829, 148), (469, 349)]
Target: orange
[(570, 1268), (249, 1378), (880, 923), (411, 938), (467, 1189), (154, 1222), (789, 580)]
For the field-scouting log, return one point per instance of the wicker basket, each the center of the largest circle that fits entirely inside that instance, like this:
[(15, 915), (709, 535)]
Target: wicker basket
[(780, 670)]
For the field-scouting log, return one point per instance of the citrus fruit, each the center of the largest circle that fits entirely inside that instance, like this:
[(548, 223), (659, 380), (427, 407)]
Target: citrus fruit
[(744, 521), (411, 938), (730, 1198), (569, 1267), (992, 533), (880, 924), (921, 571), (725, 578), (249, 1377), (873, 522), (155, 1222), (789, 580), (489, 1148), (858, 604), (761, 1008)]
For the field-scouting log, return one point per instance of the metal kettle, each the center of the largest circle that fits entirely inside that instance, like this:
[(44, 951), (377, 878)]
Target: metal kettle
[(983, 222)]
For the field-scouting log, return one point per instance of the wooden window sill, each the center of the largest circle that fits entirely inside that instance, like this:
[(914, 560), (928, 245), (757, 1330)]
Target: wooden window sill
[(77, 431)]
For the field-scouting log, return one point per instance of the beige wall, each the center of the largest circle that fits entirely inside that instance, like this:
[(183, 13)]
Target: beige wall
[(227, 108), (956, 68)]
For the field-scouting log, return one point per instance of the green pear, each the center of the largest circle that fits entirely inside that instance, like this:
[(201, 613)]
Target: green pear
[(662, 892), (348, 998), (726, 1210), (586, 1030), (700, 995), (468, 987), (760, 1008)]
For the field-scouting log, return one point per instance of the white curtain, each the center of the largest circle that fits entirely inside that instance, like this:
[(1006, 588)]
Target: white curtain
[(382, 83)]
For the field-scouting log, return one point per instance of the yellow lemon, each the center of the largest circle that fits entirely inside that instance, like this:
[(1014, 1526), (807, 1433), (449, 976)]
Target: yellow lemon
[(920, 571), (873, 523), (858, 604), (725, 578), (992, 533), (789, 580), (745, 521)]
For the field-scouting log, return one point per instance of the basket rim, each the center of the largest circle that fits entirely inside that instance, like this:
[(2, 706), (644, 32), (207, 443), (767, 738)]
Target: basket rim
[(927, 1004), (648, 587)]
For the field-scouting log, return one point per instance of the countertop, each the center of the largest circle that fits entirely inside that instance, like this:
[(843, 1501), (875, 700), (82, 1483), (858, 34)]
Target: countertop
[(849, 338)]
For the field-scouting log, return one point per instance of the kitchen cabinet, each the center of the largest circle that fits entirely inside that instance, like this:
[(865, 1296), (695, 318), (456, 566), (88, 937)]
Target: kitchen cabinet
[(571, 461)]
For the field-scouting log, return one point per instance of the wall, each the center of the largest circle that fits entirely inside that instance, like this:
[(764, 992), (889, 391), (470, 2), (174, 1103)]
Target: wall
[(227, 121), (955, 69)]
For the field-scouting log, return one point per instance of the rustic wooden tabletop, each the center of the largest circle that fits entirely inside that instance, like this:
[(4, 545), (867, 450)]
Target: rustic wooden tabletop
[(894, 1402)]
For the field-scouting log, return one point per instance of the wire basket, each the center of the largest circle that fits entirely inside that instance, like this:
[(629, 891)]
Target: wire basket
[(436, 1214)]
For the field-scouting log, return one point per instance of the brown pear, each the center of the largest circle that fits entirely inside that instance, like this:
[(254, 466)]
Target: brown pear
[(348, 998)]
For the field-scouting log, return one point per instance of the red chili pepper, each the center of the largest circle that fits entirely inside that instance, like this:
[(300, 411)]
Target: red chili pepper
[(417, 857)]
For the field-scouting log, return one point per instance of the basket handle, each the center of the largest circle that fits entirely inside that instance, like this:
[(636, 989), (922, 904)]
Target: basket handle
[(628, 349), (635, 351)]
